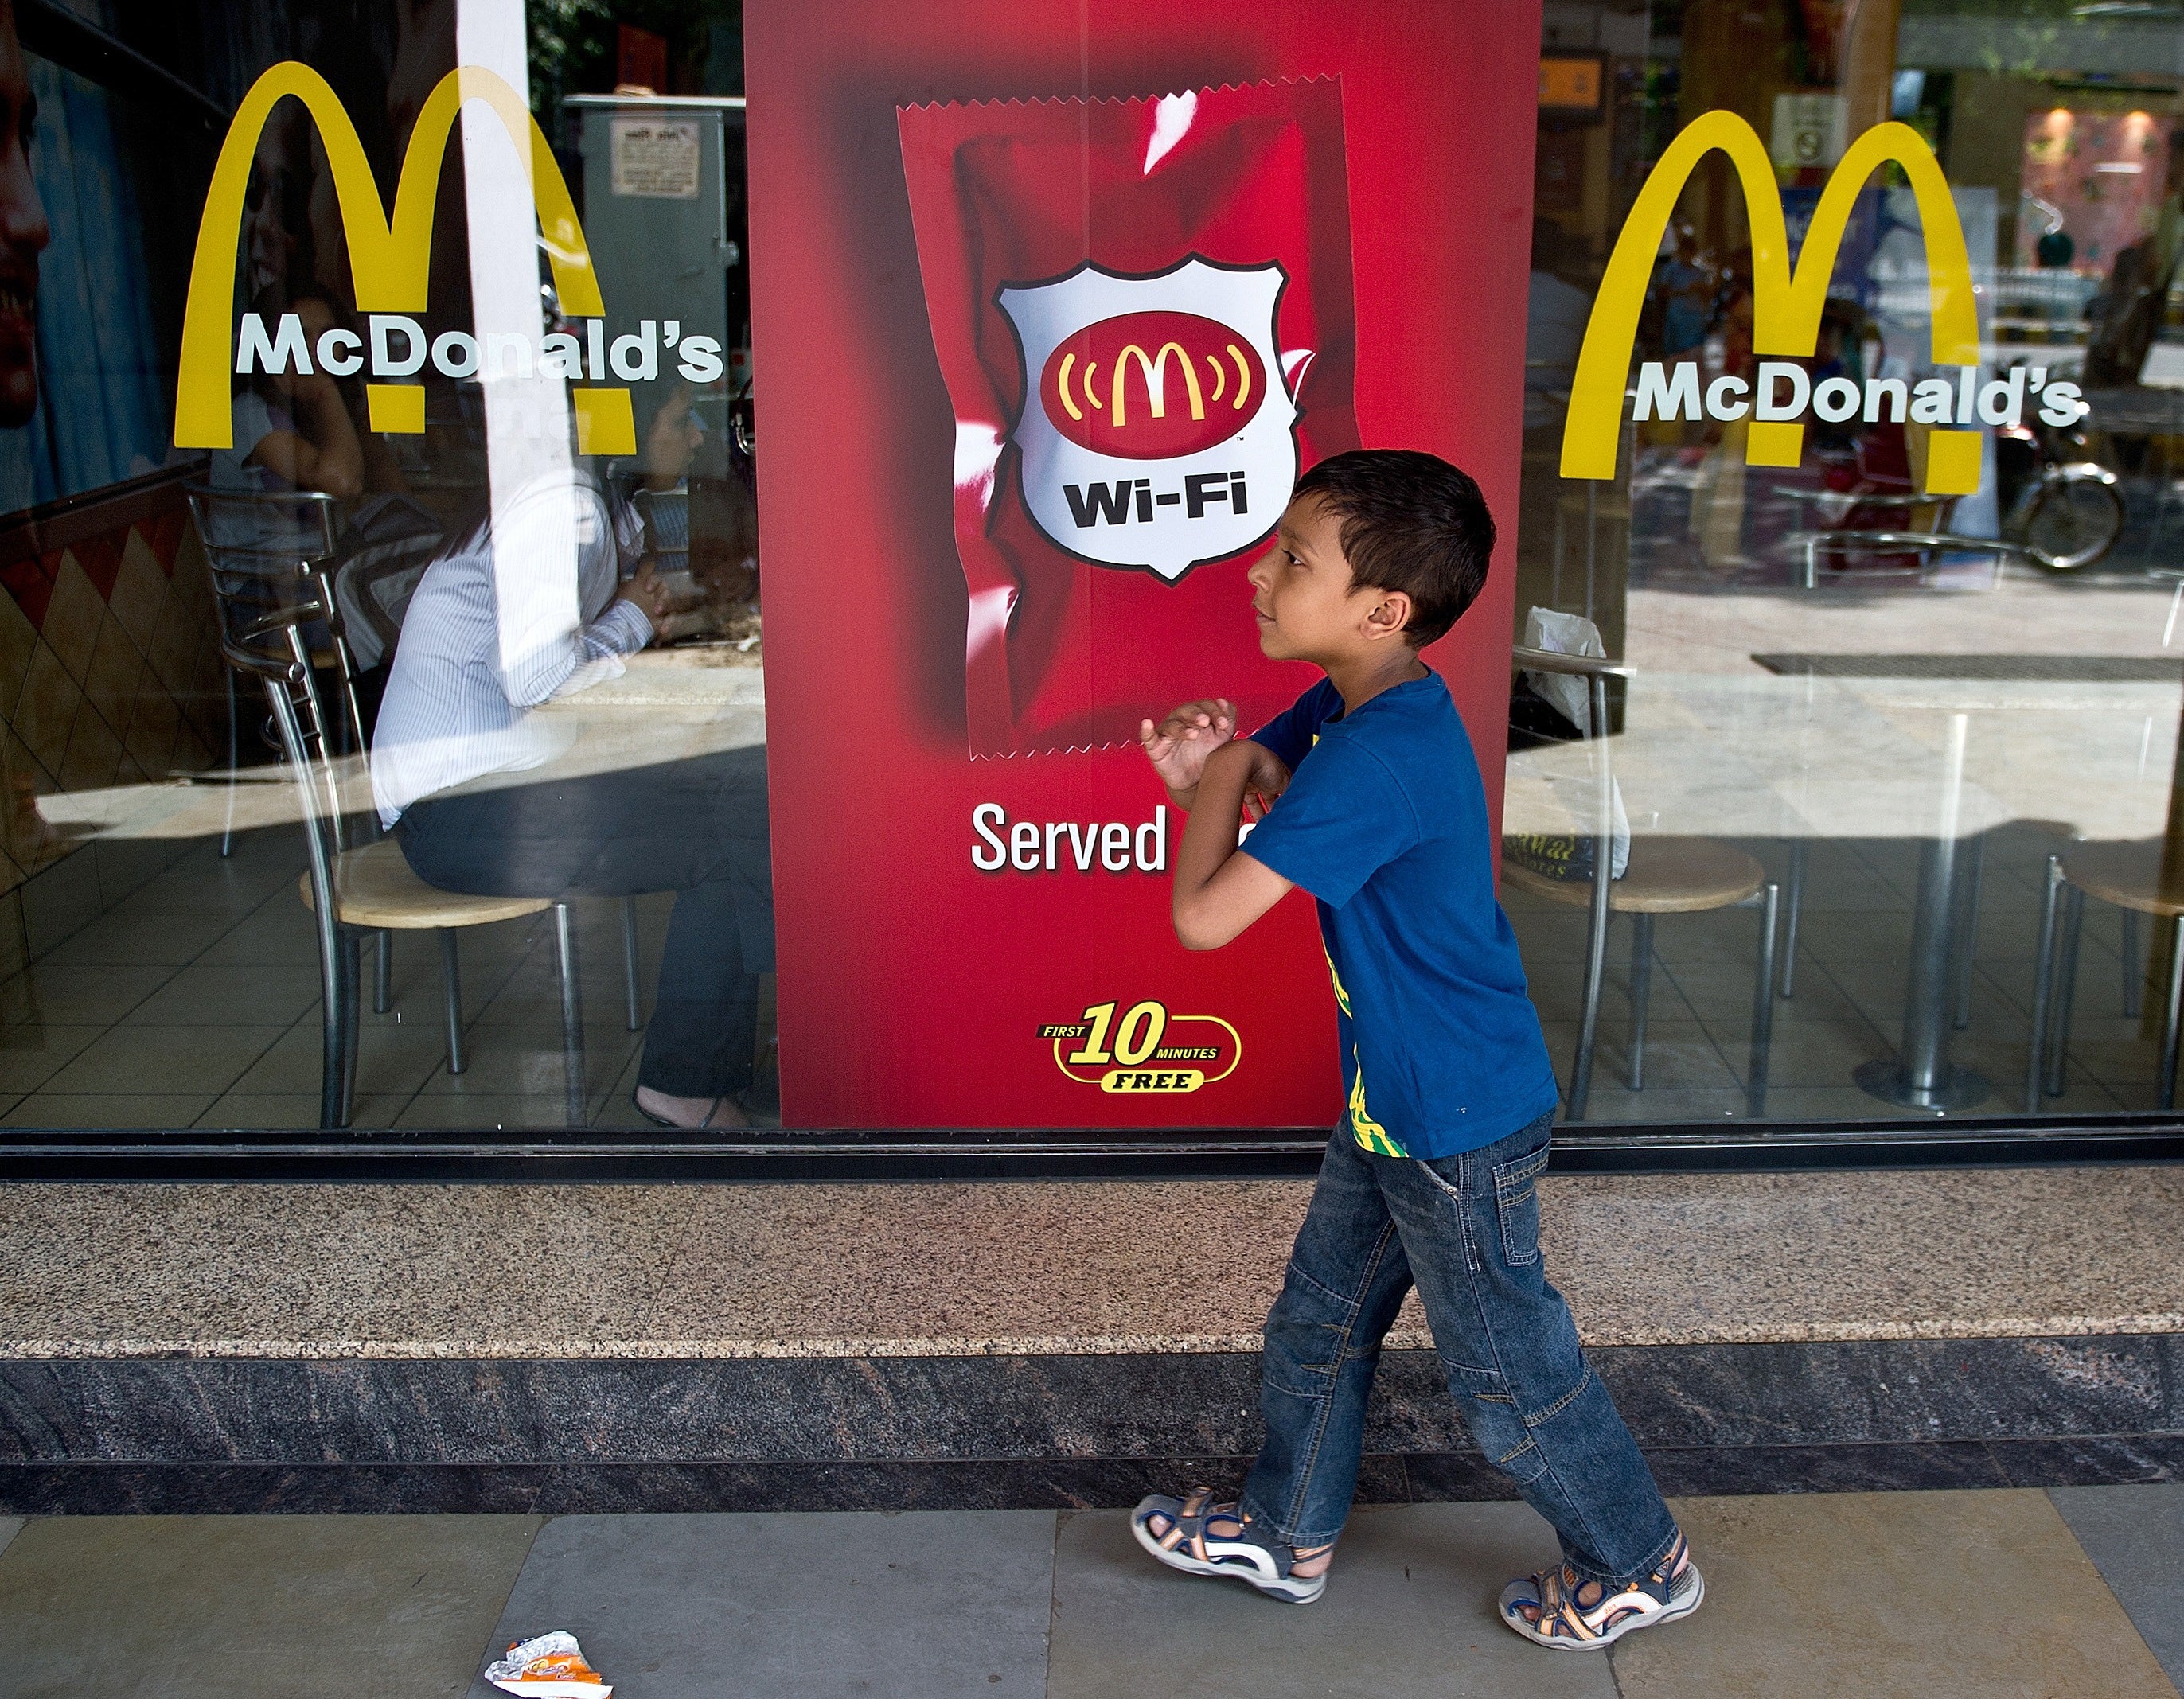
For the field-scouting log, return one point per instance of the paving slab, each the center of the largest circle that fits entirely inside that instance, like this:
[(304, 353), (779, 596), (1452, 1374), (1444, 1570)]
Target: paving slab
[(253, 1607), (2135, 1535), (1891, 1596), (10, 1526), (1409, 1611), (913, 1605)]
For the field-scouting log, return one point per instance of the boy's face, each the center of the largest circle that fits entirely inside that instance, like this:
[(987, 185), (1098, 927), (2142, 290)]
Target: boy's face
[(1307, 606)]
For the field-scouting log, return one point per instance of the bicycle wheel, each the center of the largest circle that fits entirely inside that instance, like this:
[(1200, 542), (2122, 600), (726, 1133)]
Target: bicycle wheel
[(2072, 522)]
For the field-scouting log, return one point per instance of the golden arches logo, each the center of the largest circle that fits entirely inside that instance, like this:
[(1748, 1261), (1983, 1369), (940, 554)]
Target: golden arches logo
[(1153, 367), (1154, 384), (390, 258), (1787, 303)]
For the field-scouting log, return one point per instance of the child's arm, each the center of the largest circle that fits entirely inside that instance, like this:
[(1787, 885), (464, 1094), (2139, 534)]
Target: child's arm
[(1218, 892)]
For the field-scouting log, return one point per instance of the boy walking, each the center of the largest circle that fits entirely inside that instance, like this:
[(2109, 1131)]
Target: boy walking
[(1429, 1178)]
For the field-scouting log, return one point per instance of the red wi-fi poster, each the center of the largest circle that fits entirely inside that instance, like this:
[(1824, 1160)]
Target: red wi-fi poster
[(1052, 302)]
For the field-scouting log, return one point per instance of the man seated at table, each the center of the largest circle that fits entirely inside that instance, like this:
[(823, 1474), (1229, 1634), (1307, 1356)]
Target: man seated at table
[(485, 798)]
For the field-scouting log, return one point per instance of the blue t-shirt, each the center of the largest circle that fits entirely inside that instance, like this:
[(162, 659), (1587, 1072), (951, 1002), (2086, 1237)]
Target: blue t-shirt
[(1385, 822)]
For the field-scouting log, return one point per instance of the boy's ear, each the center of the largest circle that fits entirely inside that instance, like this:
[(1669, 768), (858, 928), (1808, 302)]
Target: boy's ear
[(1388, 614)]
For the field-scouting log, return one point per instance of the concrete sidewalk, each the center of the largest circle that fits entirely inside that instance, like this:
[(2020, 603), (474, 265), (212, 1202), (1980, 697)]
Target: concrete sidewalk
[(2016, 1593)]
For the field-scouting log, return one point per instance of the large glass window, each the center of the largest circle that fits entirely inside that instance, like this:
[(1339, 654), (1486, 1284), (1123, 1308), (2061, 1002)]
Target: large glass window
[(384, 688), (381, 653), (1899, 651)]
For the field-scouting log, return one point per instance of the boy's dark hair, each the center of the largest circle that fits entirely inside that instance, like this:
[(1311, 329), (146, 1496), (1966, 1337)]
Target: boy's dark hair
[(1411, 522)]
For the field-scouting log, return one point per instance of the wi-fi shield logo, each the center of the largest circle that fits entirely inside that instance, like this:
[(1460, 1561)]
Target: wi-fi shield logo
[(1156, 432)]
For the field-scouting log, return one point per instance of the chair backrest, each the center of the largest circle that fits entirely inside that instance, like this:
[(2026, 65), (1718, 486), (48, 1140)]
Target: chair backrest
[(265, 550), (374, 587), (270, 553)]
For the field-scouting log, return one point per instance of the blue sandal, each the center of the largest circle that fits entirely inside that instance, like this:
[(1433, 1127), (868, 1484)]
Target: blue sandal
[(1554, 1609), (1184, 1544)]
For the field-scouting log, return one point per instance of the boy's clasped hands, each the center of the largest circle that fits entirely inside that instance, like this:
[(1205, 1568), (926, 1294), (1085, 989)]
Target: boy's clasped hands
[(1183, 742)]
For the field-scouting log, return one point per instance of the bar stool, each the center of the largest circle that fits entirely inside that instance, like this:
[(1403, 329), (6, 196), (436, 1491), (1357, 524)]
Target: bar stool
[(1664, 876), (2135, 878)]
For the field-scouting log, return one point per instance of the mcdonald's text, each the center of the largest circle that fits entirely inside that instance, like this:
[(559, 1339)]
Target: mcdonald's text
[(398, 347), (1781, 391)]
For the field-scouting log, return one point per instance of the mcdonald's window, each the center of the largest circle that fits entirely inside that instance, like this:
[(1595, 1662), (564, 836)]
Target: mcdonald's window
[(359, 464), (1844, 765), (384, 661)]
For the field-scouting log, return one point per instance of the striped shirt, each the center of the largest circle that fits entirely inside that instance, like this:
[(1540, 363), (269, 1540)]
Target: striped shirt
[(520, 611)]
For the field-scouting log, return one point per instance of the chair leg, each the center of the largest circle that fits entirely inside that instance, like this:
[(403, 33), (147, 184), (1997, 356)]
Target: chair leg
[(383, 973), (572, 1015), (1763, 1005), (2134, 970), (2066, 987), (1642, 989), (234, 754), (2043, 983), (1967, 930), (451, 975), (2173, 1014), (1588, 1030), (351, 977), (334, 991), (1801, 855), (629, 961)]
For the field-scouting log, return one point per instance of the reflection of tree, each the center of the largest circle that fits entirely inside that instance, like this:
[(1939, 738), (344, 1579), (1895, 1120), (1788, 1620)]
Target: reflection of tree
[(569, 39), (572, 44)]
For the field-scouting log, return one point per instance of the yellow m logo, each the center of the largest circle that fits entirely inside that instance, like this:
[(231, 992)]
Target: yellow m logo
[(1156, 370), (1786, 306), (390, 260)]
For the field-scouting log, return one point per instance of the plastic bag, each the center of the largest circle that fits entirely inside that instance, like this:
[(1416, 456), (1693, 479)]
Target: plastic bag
[(1561, 633), (1142, 311), (549, 1666), (1556, 855)]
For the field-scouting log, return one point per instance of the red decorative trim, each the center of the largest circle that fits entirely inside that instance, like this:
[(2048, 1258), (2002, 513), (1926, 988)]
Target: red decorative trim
[(100, 557), (76, 521)]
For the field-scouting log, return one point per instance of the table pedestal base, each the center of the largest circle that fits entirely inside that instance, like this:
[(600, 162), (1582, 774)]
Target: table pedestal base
[(1952, 1087)]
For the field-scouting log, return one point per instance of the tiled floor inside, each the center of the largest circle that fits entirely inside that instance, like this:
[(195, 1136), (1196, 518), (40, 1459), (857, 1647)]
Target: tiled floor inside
[(194, 1000), (1852, 973), (2026, 1594)]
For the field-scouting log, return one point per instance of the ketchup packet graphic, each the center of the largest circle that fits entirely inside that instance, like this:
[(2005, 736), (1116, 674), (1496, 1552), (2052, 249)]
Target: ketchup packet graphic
[(1142, 311)]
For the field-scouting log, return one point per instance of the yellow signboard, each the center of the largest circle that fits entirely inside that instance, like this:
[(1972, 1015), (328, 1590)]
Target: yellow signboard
[(390, 260), (1786, 304)]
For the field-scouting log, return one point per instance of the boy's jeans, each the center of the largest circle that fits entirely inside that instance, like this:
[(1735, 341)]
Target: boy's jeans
[(1466, 1229)]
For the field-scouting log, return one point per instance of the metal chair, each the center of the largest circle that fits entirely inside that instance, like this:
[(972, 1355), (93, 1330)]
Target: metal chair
[(373, 587), (1921, 533), (1664, 876), (355, 881), (2136, 878), (262, 548)]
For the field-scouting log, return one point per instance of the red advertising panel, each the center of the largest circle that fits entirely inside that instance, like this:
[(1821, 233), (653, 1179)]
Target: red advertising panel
[(1052, 302)]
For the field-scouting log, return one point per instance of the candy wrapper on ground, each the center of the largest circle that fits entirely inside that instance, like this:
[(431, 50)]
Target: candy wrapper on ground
[(1142, 311), (549, 1666)]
